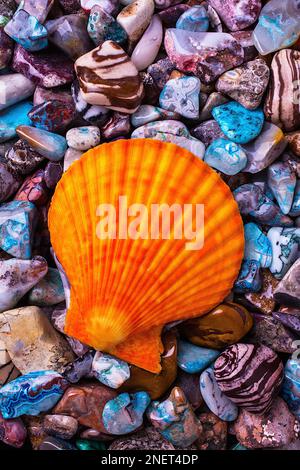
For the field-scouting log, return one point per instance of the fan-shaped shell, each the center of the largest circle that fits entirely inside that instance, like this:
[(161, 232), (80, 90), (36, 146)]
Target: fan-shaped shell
[(123, 290)]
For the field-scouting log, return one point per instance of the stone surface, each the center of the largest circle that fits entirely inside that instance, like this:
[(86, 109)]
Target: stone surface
[(12, 432), (181, 95), (226, 156), (237, 14), (239, 124), (53, 443), (213, 100), (193, 358), (249, 278), (148, 113), (6, 48), (64, 427), (291, 386), (175, 419), (103, 27), (135, 18), (287, 291), (224, 325), (124, 414), (189, 384), (26, 30), (194, 19), (274, 429), (250, 376), (118, 125), (147, 439), (48, 291), (14, 87), (49, 145), (21, 159), (207, 55), (34, 189), (71, 156), (16, 115), (81, 367), (96, 72), (290, 321), (214, 433), (257, 245), (208, 132), (148, 46), (110, 370), (39, 10), (8, 371), (47, 94), (83, 138), (285, 243), (52, 116), (31, 394), (246, 84), (18, 277), (282, 182), (264, 300)]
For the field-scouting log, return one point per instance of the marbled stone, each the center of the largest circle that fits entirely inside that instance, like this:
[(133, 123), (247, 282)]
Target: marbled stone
[(86, 403), (14, 87), (34, 189), (207, 55), (31, 394), (96, 72), (290, 321), (169, 16), (17, 225), (272, 333), (117, 125), (52, 116), (214, 433), (71, 156), (148, 46), (49, 145), (148, 113), (16, 115), (194, 19), (64, 427), (257, 245), (8, 371), (170, 131), (47, 94), (26, 30), (216, 401), (249, 278), (237, 14), (6, 48), (93, 114), (47, 69), (147, 439), (239, 124), (265, 149), (39, 10), (160, 71), (274, 429), (155, 384), (135, 18), (48, 291), (181, 95), (264, 299), (103, 27), (193, 358), (224, 325), (54, 443), (291, 386), (246, 84), (293, 140), (213, 100), (83, 138), (226, 156), (278, 26), (70, 35), (110, 370), (253, 202), (250, 376), (282, 101), (124, 414), (208, 132), (79, 368), (285, 244), (175, 419), (12, 432), (21, 159), (245, 39), (282, 182), (288, 290)]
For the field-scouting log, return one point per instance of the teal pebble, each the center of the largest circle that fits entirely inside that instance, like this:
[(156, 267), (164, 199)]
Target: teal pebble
[(13, 117), (194, 19), (193, 359), (257, 245), (291, 386), (226, 156)]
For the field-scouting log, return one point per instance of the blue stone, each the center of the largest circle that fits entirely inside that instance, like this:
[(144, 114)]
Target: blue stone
[(193, 359), (17, 224), (216, 401), (103, 27), (12, 117), (194, 19), (295, 209), (257, 245), (26, 30), (31, 394), (291, 386), (181, 95), (239, 124), (48, 144), (249, 278), (239, 447), (124, 414), (110, 370), (226, 156), (282, 182)]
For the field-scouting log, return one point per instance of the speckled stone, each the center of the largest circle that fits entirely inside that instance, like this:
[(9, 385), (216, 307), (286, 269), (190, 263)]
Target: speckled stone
[(160, 71), (70, 6), (224, 325), (214, 432), (208, 132), (12, 432), (264, 371), (226, 156), (64, 427), (239, 124), (52, 116), (264, 300), (181, 95), (21, 159), (287, 291), (193, 358), (81, 367), (103, 27), (83, 138), (274, 429), (147, 439), (237, 14), (285, 244), (6, 48)]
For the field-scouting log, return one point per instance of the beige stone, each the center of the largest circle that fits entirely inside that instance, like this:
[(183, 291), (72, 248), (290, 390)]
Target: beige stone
[(32, 342)]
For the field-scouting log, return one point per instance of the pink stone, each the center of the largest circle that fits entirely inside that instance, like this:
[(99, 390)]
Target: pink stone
[(148, 46), (237, 14)]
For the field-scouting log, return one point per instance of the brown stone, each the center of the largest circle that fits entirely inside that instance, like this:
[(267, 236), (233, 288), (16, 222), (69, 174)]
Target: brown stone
[(35, 430), (294, 142), (224, 325), (85, 403), (264, 299), (32, 342), (155, 384), (148, 439), (61, 426), (214, 432), (189, 383)]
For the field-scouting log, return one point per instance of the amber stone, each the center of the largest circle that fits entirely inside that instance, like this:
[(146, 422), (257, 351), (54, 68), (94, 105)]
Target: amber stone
[(155, 384), (224, 325)]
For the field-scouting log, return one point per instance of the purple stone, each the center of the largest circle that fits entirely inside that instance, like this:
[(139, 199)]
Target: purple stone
[(38, 8), (43, 94), (271, 332), (207, 132), (47, 69), (52, 116), (6, 49), (27, 31), (245, 39), (12, 431), (237, 14), (118, 125), (7, 8), (52, 174), (34, 189), (80, 368), (160, 71), (9, 184), (70, 6), (291, 321), (169, 16)]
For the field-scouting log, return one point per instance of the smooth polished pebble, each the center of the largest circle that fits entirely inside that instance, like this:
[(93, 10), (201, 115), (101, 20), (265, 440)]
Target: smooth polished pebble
[(291, 386), (26, 30), (285, 245), (135, 18), (257, 245), (193, 359), (147, 48), (181, 95), (14, 87), (103, 27), (282, 182), (226, 156), (49, 145), (288, 290), (12, 117), (194, 19), (249, 278), (83, 138), (110, 370), (148, 113)]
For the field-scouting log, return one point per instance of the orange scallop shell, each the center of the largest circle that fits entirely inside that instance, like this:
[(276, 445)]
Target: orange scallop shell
[(122, 290)]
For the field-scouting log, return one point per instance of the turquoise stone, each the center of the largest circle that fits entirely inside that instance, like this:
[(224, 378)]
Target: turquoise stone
[(181, 95), (295, 209), (249, 278), (282, 181), (124, 414), (257, 245), (48, 291), (26, 30), (103, 27), (194, 19), (13, 117), (87, 444), (110, 370), (291, 386), (148, 113), (285, 245), (216, 401), (193, 359), (17, 225), (239, 124), (31, 394), (49, 145), (226, 156)]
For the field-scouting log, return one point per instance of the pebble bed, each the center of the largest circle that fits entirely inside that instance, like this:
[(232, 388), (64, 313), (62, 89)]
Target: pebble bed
[(220, 78)]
